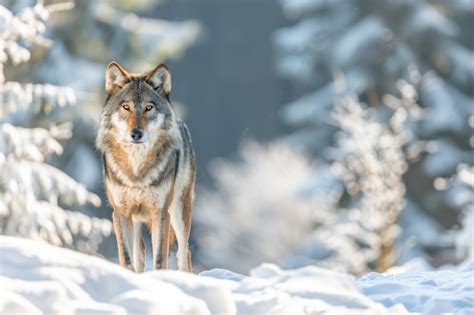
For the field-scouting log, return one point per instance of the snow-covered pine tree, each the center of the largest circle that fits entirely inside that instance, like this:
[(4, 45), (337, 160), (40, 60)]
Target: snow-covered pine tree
[(375, 45), (35, 195)]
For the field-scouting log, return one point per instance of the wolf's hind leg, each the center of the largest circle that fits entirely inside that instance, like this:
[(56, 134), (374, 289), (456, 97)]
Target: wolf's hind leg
[(123, 228), (138, 247)]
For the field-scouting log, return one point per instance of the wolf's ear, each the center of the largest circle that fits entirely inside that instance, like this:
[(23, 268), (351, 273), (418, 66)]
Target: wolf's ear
[(115, 77), (160, 78)]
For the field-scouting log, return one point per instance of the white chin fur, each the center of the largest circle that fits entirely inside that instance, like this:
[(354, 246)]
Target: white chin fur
[(144, 139)]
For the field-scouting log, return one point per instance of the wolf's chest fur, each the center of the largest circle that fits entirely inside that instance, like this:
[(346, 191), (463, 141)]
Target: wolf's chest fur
[(137, 158), (140, 176)]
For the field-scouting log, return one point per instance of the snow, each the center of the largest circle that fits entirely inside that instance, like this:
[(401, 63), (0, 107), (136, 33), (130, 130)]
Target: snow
[(316, 106), (308, 290), (426, 19), (359, 44), (58, 281), (433, 292), (448, 109), (464, 237), (36, 277)]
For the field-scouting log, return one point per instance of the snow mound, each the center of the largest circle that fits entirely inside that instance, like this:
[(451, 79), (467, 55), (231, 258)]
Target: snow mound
[(431, 292), (308, 290), (36, 278)]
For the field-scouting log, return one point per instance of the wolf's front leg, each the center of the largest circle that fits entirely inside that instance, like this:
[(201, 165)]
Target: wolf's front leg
[(139, 248), (123, 228), (181, 224), (160, 239)]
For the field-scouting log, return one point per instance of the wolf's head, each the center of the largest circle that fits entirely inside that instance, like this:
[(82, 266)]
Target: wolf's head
[(137, 108)]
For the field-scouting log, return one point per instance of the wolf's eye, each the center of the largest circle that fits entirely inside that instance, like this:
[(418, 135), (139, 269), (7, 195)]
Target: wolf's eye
[(149, 107), (126, 106)]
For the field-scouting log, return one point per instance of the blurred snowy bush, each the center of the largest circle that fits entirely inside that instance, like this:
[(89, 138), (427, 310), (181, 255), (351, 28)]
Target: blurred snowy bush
[(260, 209), (371, 162), (34, 195)]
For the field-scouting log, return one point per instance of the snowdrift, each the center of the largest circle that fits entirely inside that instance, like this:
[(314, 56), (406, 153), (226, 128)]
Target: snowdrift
[(36, 277)]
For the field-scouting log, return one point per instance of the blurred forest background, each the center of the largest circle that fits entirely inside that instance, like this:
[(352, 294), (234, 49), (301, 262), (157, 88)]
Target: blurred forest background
[(334, 133)]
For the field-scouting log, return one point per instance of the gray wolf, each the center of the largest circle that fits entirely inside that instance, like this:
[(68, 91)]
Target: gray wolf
[(149, 167)]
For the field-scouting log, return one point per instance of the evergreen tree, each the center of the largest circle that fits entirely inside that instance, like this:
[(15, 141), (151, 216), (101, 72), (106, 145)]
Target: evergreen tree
[(35, 195)]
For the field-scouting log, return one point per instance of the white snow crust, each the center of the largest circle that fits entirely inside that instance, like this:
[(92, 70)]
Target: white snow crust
[(38, 278)]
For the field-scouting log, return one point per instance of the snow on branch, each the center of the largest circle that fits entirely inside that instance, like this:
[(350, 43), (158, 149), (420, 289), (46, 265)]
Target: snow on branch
[(20, 32), (28, 143), (34, 97), (33, 192)]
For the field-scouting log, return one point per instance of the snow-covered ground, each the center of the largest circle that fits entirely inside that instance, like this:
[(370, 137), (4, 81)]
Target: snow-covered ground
[(433, 292), (39, 278)]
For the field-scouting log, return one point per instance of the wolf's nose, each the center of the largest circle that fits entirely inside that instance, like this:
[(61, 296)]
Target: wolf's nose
[(136, 134)]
